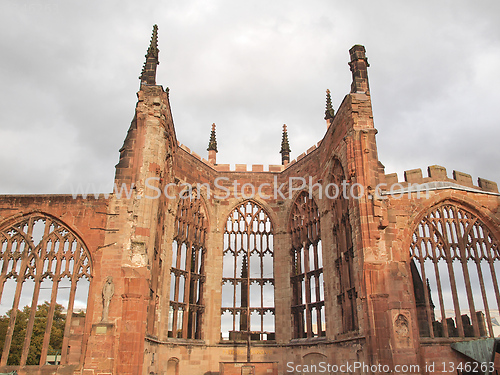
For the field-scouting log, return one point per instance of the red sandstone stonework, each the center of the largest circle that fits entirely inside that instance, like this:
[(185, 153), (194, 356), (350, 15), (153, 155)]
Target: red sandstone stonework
[(131, 241)]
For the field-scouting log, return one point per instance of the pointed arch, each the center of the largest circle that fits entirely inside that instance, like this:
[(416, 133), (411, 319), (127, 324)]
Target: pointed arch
[(40, 249), (455, 263), (187, 273), (308, 300), (248, 274), (343, 249)]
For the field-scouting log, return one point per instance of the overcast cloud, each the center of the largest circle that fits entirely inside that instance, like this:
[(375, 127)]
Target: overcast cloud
[(69, 73)]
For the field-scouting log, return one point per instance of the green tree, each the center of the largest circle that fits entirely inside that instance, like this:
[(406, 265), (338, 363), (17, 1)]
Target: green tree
[(35, 350)]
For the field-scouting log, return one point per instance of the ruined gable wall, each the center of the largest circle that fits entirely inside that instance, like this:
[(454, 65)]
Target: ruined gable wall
[(317, 164)]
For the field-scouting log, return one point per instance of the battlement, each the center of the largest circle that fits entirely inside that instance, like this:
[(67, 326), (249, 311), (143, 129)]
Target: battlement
[(244, 167), (238, 167), (439, 173)]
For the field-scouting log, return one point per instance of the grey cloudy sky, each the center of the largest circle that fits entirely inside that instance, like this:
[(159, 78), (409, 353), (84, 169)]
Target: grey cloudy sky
[(69, 73)]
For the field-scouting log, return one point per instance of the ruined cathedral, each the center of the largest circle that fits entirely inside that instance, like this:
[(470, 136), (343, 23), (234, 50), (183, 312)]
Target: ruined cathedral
[(323, 264)]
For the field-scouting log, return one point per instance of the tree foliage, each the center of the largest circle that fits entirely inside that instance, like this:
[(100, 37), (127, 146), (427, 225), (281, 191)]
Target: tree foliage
[(35, 350)]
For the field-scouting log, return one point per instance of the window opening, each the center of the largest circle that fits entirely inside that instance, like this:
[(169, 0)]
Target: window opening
[(308, 306), (43, 266), (188, 268), (248, 281), (454, 265)]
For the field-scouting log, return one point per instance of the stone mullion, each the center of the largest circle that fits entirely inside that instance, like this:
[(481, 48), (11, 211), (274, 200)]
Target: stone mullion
[(440, 293), (451, 274), (180, 242), (261, 284), (50, 314), (15, 306), (463, 261), (426, 294), (302, 317), (316, 279), (300, 277), (349, 254), (485, 299), (31, 322), (36, 292), (178, 273), (233, 234), (318, 319), (175, 309), (247, 284), (495, 282), (201, 284), (341, 294), (191, 324), (235, 270), (69, 315), (3, 276), (307, 282), (315, 254), (177, 276), (187, 287), (470, 297), (352, 286)]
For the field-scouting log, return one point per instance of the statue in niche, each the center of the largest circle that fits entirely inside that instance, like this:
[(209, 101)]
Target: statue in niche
[(401, 326), (402, 330), (108, 290)]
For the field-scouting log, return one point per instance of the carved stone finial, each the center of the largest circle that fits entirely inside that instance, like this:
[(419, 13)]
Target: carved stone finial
[(329, 112), (212, 144), (285, 147), (108, 290), (148, 74)]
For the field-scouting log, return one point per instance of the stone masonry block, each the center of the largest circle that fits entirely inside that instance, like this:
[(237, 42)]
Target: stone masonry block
[(275, 168), (462, 178), (391, 179), (241, 167), (436, 172), (257, 168), (487, 185), (222, 167), (413, 175)]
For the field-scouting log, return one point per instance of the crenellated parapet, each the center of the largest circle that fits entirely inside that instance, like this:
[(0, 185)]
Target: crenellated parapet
[(437, 173)]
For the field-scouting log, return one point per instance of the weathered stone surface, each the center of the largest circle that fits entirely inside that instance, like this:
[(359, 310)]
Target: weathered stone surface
[(369, 294)]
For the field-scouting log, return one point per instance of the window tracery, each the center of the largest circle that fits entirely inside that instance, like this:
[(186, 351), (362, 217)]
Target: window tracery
[(344, 254), (41, 263), (187, 273), (308, 301), (454, 264), (248, 280)]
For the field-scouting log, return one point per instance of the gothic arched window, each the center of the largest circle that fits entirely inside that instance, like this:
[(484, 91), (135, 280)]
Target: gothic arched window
[(308, 299), (454, 264), (42, 262), (247, 276), (187, 275), (344, 253)]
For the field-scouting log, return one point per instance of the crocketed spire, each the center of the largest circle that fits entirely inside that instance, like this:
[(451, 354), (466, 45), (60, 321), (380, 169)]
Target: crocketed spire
[(212, 144), (148, 74), (329, 112), (285, 147)]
